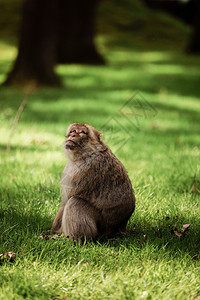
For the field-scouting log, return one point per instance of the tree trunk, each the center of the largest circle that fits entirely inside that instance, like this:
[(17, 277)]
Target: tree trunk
[(169, 6), (53, 31), (37, 46), (76, 32), (194, 43)]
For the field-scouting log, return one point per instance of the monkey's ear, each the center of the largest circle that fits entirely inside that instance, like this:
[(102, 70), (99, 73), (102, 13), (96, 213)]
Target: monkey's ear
[(100, 140), (94, 133), (96, 136)]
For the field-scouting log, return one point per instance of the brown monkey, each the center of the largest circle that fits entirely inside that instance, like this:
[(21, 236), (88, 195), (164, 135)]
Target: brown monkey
[(97, 196)]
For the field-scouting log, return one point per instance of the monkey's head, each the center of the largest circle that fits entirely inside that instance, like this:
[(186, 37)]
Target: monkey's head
[(83, 139)]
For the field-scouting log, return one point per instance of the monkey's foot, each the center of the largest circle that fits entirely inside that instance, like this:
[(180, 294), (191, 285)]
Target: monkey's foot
[(49, 234)]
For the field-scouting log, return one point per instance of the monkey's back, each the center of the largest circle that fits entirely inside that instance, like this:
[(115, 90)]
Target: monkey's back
[(117, 194), (103, 181)]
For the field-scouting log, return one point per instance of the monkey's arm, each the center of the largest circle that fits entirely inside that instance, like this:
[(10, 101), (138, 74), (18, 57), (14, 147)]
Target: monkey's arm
[(56, 227)]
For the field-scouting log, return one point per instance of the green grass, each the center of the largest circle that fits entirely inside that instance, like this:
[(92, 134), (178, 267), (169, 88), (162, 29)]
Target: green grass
[(162, 158), (157, 138)]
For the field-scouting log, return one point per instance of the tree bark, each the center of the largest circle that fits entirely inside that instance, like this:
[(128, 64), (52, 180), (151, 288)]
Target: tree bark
[(37, 46), (76, 32), (53, 31)]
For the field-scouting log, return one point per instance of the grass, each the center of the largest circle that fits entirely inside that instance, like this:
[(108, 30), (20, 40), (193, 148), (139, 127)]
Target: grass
[(150, 97)]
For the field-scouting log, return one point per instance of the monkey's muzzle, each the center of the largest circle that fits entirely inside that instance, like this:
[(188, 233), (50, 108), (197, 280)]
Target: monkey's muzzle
[(70, 144)]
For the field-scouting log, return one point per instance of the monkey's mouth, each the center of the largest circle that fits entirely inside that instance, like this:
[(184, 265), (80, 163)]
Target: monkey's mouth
[(70, 144)]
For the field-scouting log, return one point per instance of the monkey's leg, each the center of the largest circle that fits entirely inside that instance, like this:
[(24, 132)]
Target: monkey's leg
[(56, 227), (80, 220), (115, 221)]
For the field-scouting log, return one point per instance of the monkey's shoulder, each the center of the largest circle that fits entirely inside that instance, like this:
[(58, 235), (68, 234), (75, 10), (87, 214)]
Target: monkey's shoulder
[(107, 165)]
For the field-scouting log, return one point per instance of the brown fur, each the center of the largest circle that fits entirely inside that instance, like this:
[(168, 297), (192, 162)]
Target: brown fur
[(97, 196)]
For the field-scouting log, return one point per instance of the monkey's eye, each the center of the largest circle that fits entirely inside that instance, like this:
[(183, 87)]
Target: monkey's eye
[(74, 130), (82, 131)]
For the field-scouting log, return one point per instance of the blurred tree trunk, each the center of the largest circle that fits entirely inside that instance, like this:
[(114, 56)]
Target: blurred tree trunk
[(37, 45), (169, 6), (53, 31), (194, 43), (76, 33)]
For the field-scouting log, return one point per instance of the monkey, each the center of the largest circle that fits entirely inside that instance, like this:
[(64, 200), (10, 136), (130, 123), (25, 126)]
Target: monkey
[(97, 195)]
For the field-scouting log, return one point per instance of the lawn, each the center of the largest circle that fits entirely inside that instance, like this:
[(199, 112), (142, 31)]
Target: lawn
[(146, 102)]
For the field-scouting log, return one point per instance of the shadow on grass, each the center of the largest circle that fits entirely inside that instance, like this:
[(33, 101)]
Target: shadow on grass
[(18, 229), (61, 112), (161, 236), (24, 210), (190, 114), (23, 221), (135, 70)]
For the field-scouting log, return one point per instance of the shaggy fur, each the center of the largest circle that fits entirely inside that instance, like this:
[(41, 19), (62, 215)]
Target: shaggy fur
[(97, 195)]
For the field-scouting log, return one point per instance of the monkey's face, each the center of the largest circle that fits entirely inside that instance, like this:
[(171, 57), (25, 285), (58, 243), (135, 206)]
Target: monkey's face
[(82, 140), (77, 136)]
